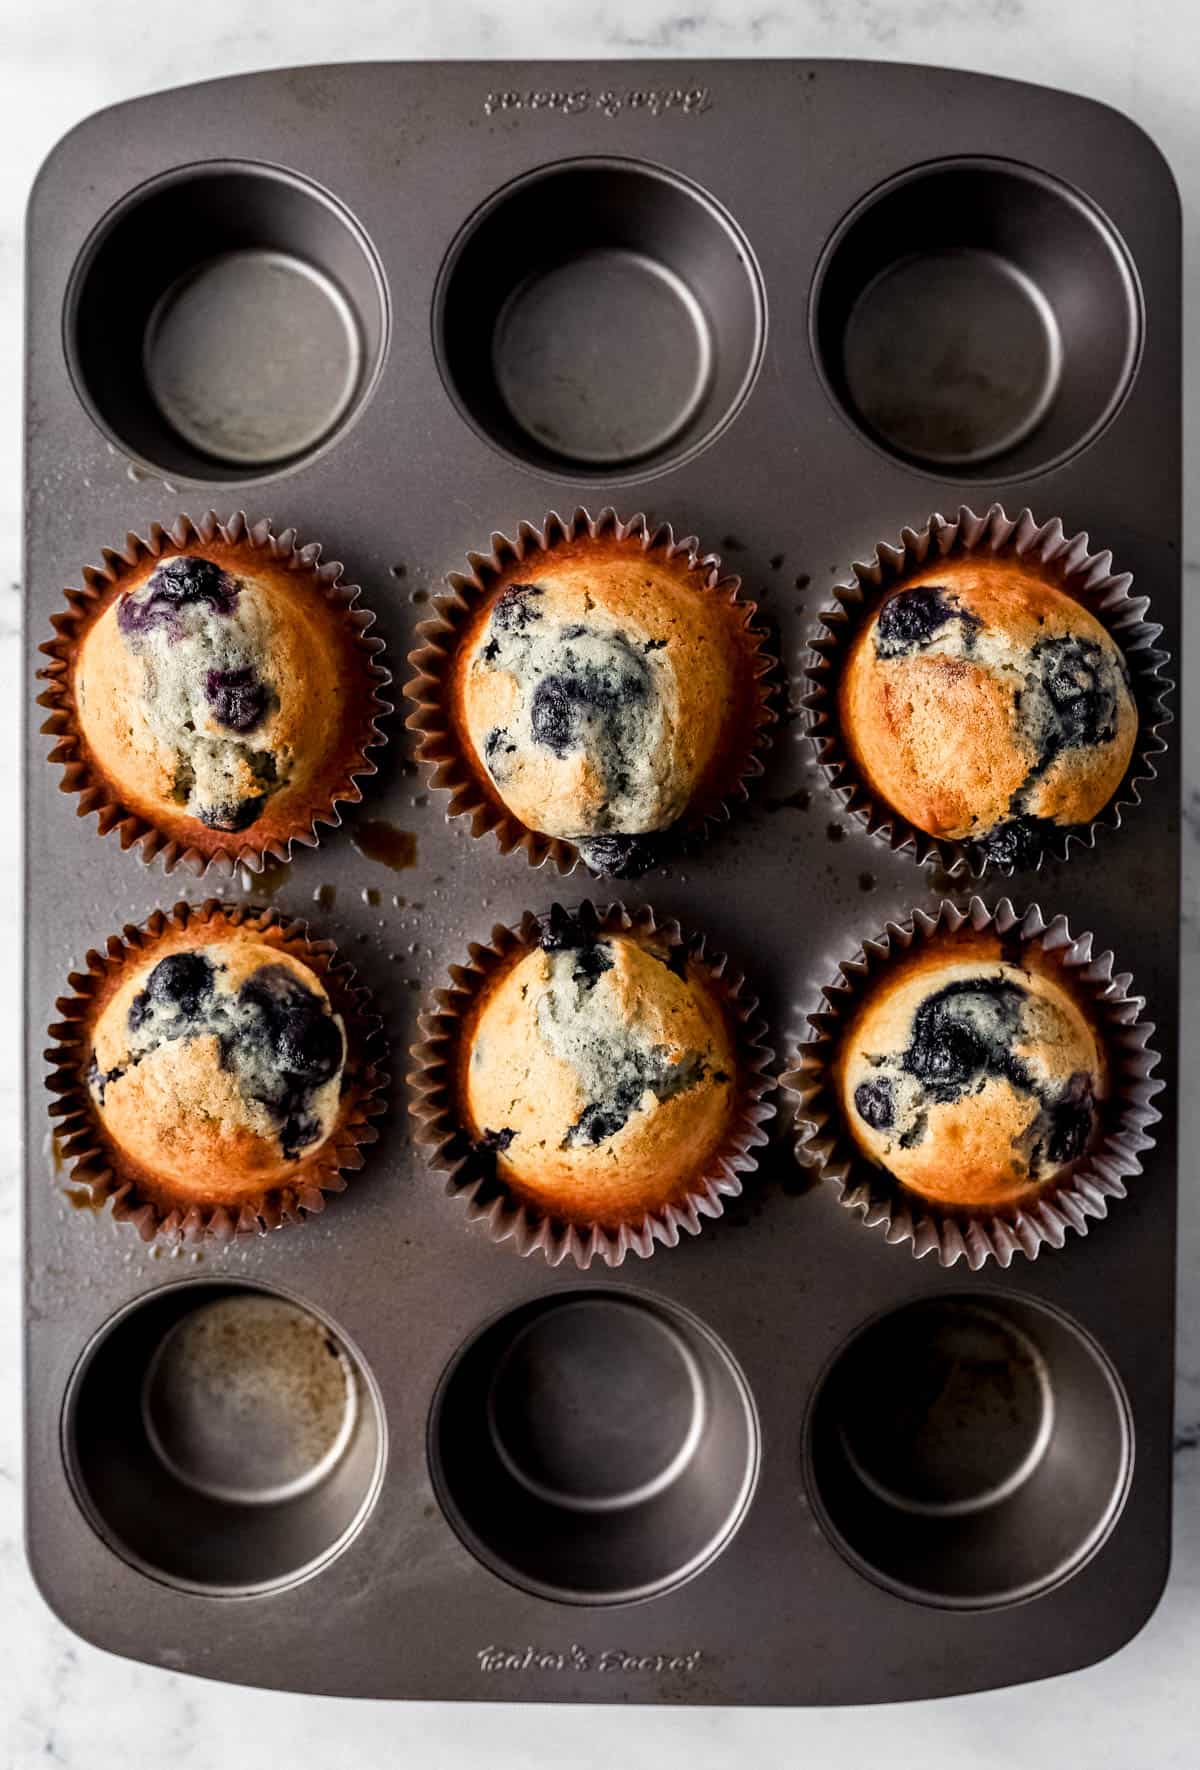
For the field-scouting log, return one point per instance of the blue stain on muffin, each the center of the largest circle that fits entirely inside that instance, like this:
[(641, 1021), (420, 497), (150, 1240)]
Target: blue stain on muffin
[(206, 666), (615, 1064), (962, 1036), (278, 1038), (1069, 699)]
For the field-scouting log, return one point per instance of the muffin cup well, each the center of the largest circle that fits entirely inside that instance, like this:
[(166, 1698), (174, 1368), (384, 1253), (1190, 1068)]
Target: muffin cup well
[(443, 746), (1085, 576), (1067, 1201), (201, 848), (96, 1161), (471, 1174)]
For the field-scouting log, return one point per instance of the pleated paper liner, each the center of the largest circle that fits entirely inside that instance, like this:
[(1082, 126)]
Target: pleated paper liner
[(149, 1203), (443, 745), (1077, 1194), (1067, 563), (441, 1127), (183, 840)]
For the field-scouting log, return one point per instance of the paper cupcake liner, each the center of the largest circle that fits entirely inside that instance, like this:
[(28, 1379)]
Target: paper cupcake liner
[(94, 1159), (442, 746), (441, 1133), (203, 848), (1067, 1201), (1086, 576)]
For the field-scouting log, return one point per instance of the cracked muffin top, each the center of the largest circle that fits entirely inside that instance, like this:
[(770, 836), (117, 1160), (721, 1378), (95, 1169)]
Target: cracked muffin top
[(988, 706), (599, 1071), (216, 1066), (212, 695), (601, 694), (972, 1079)]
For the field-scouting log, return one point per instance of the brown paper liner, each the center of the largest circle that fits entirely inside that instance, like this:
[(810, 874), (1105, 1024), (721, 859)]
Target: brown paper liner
[(1066, 1201), (440, 1131), (200, 848), (442, 745), (97, 1162), (1087, 577)]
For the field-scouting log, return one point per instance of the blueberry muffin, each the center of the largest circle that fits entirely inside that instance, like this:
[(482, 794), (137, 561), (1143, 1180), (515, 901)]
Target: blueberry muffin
[(972, 1079), (987, 706), (603, 693), (598, 1071), (220, 695), (216, 1067)]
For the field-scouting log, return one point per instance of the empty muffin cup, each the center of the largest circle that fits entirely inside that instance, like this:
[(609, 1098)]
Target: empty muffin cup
[(1036, 1216), (599, 319), (721, 624), (977, 318), (223, 1438), (282, 1125), (629, 1221), (594, 1448), (1045, 553), (259, 724), (969, 1451), (226, 321)]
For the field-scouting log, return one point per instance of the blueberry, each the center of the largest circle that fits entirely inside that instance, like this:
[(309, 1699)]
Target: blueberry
[(620, 857), (1080, 684), (183, 981), (552, 713), (1071, 1120), (304, 1037), (600, 1121), (591, 962), (98, 1079), (514, 608), (911, 620), (495, 1141), (173, 585), (1018, 843), (565, 930), (237, 697), (298, 1130), (963, 1031), (875, 1103), (232, 814)]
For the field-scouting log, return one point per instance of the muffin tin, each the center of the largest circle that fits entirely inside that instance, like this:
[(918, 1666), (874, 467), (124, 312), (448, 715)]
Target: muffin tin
[(402, 307)]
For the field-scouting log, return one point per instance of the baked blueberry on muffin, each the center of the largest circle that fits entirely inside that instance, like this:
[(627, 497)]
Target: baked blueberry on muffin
[(219, 694), (603, 693), (216, 1067), (971, 1079), (598, 1072), (988, 706)]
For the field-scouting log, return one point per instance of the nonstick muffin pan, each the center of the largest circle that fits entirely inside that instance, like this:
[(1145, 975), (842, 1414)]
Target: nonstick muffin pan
[(792, 308)]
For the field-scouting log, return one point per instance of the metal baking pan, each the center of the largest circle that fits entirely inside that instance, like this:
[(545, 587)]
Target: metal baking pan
[(400, 307)]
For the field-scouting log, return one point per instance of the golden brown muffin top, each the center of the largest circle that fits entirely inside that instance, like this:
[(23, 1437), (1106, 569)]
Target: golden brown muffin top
[(211, 693), (969, 1077), (216, 1066), (600, 1071), (985, 705), (596, 692)]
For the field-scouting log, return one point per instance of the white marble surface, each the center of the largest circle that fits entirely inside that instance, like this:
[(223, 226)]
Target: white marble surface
[(64, 1703)]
